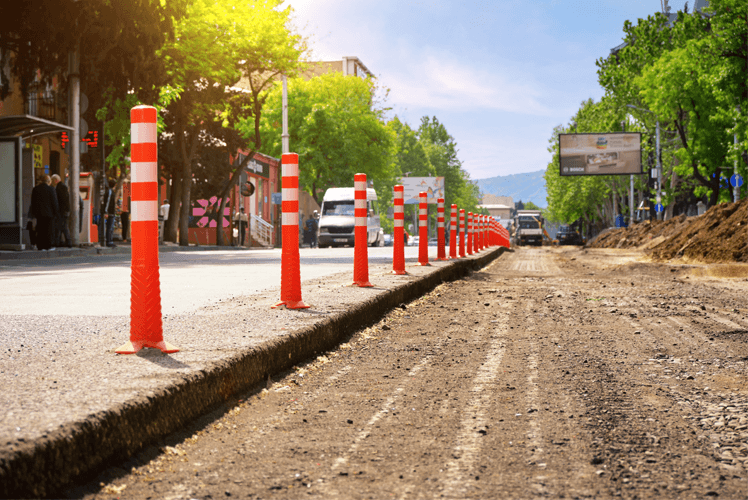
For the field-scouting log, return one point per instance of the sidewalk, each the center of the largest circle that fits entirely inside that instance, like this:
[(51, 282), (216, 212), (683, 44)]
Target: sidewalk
[(71, 405), (95, 249)]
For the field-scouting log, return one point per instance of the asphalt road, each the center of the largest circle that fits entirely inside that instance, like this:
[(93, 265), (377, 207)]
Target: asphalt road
[(99, 285)]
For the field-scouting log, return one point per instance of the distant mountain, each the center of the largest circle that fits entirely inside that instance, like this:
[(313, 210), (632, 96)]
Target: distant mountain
[(528, 186)]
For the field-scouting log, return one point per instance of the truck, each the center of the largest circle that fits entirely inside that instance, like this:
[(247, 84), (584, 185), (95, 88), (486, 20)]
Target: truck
[(528, 227)]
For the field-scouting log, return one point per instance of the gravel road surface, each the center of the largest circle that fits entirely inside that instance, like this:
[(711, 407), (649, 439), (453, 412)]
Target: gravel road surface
[(552, 373)]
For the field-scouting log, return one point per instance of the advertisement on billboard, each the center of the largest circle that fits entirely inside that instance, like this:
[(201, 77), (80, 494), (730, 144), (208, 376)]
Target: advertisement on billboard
[(600, 154), (433, 186)]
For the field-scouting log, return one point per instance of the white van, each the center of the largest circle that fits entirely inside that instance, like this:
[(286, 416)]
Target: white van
[(337, 220)]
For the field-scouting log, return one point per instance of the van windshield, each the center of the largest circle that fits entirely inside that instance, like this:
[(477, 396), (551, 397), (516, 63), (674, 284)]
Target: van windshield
[(338, 208)]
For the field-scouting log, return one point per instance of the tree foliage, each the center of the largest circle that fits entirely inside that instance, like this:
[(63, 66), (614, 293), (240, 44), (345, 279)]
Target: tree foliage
[(118, 41), (334, 129), (441, 150), (220, 44), (691, 75)]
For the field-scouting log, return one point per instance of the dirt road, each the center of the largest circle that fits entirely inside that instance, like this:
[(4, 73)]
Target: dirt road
[(557, 373)]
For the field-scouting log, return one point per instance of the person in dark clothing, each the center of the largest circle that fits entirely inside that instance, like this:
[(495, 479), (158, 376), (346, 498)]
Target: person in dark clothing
[(80, 213), (125, 219), (108, 210), (63, 200), (310, 232), (45, 210)]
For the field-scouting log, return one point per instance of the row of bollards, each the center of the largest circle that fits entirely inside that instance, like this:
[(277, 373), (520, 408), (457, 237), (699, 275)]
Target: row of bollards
[(146, 328)]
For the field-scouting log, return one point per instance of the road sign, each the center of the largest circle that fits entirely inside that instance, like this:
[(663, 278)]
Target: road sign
[(659, 208), (736, 180)]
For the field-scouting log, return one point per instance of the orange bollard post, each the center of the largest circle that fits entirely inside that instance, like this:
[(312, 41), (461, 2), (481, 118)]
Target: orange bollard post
[(361, 213), (483, 235), (398, 245), (441, 252), (453, 232), (423, 230), (146, 326), (476, 233), (463, 231), (469, 231), (290, 261)]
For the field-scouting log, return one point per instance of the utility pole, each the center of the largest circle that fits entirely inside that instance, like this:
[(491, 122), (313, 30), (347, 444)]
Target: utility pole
[(631, 188), (659, 170), (75, 140), (736, 188), (285, 147), (284, 136)]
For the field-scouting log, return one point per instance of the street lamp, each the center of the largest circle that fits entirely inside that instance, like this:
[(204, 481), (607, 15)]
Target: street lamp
[(659, 165)]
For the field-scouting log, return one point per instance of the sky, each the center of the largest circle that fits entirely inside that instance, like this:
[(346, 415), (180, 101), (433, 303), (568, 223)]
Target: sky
[(499, 74)]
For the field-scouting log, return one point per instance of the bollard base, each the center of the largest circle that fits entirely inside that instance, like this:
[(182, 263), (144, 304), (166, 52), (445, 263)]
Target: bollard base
[(423, 264), (133, 347), (400, 272), (363, 284), (442, 258), (290, 304)]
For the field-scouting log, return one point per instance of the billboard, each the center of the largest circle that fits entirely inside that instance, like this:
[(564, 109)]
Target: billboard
[(433, 186), (600, 154)]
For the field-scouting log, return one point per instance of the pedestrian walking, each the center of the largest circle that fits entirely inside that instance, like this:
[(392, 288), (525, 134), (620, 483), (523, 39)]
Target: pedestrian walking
[(63, 200), (164, 210), (45, 210), (108, 210), (240, 223)]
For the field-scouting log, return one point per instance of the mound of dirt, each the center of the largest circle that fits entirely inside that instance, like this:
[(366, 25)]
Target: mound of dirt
[(719, 235)]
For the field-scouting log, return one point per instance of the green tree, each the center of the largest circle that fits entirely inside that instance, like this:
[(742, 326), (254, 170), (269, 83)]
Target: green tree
[(218, 43), (117, 42), (688, 102), (409, 158), (590, 198), (441, 149), (728, 46), (335, 130), (620, 75)]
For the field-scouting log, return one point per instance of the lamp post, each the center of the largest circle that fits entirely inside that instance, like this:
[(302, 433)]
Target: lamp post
[(658, 154)]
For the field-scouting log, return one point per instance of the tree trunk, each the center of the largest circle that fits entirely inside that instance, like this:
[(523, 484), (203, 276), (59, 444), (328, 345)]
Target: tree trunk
[(674, 183), (175, 200), (184, 209), (220, 241), (187, 153), (714, 196)]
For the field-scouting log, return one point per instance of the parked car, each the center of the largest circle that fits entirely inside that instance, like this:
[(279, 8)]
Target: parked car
[(413, 241), (568, 236), (433, 242), (388, 240)]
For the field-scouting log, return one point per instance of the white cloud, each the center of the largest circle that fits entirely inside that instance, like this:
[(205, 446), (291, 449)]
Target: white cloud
[(441, 83)]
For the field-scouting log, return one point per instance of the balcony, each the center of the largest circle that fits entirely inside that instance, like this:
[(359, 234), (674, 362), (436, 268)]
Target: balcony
[(44, 105)]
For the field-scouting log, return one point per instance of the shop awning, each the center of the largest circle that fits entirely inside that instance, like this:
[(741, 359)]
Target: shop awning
[(29, 126)]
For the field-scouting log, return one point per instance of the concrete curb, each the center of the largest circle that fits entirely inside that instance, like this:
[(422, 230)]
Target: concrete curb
[(46, 466)]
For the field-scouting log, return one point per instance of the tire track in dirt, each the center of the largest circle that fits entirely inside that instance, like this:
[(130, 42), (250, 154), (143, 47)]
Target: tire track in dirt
[(475, 416)]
